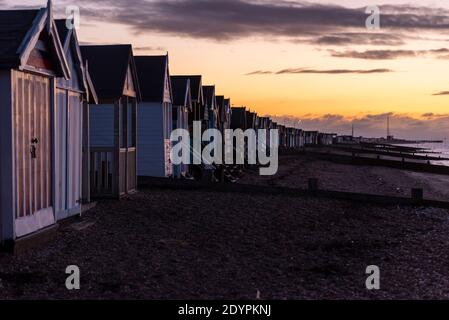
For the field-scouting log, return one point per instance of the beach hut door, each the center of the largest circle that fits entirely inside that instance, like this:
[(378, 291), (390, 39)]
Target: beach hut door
[(32, 136), (68, 153)]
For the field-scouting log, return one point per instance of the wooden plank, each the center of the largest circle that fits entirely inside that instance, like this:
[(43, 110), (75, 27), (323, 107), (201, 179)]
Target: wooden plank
[(116, 154), (38, 94), (33, 135), (20, 146), (44, 145), (26, 155)]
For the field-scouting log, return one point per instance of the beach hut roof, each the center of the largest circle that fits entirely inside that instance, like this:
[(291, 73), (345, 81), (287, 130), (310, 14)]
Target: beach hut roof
[(20, 31), (14, 25), (108, 67), (220, 101), (238, 119), (153, 72), (181, 91), (196, 87), (68, 37)]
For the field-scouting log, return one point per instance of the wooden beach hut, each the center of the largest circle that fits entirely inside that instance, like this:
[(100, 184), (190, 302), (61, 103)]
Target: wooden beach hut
[(250, 120), (226, 119), (210, 103), (113, 122), (221, 112), (72, 180), (155, 121), (326, 139), (31, 58), (238, 118), (182, 107), (311, 138), (196, 112)]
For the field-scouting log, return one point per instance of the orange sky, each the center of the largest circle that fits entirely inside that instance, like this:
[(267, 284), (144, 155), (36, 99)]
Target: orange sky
[(261, 41)]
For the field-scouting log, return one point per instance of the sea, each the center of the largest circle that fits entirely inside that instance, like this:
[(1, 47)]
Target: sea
[(442, 150)]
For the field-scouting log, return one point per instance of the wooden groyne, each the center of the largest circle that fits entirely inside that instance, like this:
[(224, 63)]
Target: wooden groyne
[(393, 153), (416, 199), (365, 161)]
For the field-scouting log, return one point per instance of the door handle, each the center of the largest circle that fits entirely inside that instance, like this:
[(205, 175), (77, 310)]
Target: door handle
[(33, 152)]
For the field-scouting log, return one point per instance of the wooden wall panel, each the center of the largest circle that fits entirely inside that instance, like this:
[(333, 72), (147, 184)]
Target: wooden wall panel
[(33, 144)]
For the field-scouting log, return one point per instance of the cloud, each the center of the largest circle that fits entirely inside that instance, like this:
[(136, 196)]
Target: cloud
[(389, 54), (427, 126), (441, 93), (258, 72), (316, 71), (362, 38), (149, 48), (224, 20)]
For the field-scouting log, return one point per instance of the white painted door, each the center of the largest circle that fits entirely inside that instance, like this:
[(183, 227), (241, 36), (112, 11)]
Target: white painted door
[(69, 153), (33, 150), (74, 138)]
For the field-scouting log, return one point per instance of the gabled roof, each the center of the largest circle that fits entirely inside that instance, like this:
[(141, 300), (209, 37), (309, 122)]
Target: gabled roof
[(196, 87), (69, 40), (209, 96), (238, 119), (250, 119), (19, 33), (14, 25), (108, 67), (180, 90), (152, 72), (63, 31), (220, 102)]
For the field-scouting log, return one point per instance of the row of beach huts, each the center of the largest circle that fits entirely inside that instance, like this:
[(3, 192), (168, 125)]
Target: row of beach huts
[(82, 122)]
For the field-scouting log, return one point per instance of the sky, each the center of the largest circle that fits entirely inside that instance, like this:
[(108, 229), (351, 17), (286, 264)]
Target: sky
[(310, 64)]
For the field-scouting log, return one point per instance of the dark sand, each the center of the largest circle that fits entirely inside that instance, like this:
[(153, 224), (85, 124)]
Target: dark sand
[(161, 244), (294, 171)]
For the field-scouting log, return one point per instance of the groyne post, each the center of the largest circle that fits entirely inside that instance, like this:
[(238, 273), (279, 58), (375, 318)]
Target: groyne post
[(313, 185), (418, 194)]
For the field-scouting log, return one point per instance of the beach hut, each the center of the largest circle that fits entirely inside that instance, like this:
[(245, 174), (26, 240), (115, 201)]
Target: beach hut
[(182, 107), (31, 58), (227, 114), (210, 104), (113, 122), (221, 112), (250, 120), (197, 112), (238, 118), (326, 139), (72, 182), (155, 121), (311, 138)]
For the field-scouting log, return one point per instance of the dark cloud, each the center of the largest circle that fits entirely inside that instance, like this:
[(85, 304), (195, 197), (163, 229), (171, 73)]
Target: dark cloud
[(429, 126), (233, 19), (389, 54), (315, 71), (442, 93)]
